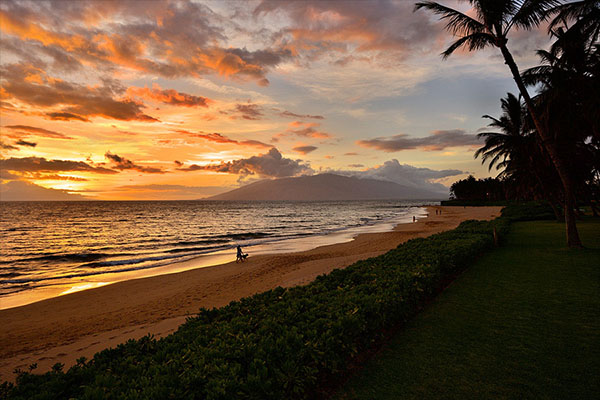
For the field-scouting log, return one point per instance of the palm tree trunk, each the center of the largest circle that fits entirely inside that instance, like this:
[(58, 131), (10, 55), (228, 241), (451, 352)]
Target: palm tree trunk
[(573, 240), (556, 211)]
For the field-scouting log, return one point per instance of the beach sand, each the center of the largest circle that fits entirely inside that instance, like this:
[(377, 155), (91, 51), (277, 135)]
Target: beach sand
[(64, 328)]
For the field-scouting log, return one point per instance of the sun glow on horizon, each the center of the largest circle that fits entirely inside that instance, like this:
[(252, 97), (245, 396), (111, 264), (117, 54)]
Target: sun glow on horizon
[(108, 100)]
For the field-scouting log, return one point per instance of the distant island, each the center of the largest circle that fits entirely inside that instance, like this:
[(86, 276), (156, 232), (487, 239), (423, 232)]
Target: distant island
[(325, 187)]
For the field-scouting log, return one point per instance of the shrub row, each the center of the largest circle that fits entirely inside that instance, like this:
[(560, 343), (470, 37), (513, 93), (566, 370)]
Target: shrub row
[(531, 211), (281, 344)]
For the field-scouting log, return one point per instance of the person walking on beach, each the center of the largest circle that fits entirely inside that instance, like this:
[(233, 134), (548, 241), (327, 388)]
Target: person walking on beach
[(240, 255)]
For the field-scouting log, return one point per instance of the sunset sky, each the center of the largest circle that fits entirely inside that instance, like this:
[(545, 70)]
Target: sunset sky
[(182, 100)]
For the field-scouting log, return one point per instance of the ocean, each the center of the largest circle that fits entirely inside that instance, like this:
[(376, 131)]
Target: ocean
[(58, 244)]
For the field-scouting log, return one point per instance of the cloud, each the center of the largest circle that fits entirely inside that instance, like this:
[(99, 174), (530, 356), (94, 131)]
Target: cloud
[(382, 28), (304, 149), (168, 96), (169, 39), (8, 176), (32, 86), (270, 165), (220, 138), (6, 146), (290, 114), (306, 129), (65, 116), (54, 177), (249, 111), (125, 164), (24, 191), (356, 165), (438, 140), (32, 130), (39, 164), (22, 142), (407, 175)]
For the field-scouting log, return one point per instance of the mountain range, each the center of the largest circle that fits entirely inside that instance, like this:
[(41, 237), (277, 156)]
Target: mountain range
[(325, 187)]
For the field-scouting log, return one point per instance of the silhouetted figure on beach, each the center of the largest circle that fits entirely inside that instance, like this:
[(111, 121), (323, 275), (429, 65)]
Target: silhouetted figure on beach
[(240, 255)]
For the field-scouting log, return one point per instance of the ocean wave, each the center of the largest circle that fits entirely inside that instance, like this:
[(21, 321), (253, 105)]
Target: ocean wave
[(244, 235), (78, 257), (196, 242)]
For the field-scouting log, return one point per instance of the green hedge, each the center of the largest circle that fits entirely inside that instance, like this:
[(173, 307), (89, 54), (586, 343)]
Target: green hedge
[(533, 211), (281, 344)]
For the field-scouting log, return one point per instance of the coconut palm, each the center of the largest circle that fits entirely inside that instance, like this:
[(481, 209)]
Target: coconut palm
[(569, 82), (505, 145), (491, 26), (514, 150)]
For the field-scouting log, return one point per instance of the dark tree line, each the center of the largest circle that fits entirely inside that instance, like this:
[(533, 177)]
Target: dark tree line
[(471, 189), (547, 145)]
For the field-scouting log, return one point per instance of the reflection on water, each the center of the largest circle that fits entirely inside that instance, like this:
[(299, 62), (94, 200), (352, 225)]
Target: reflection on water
[(70, 246)]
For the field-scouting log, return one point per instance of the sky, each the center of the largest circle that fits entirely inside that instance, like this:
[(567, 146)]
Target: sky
[(126, 100)]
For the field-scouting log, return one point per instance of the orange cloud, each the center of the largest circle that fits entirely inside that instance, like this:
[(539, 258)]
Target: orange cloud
[(307, 129), (121, 163), (271, 164), (31, 31), (168, 96), (304, 149), (219, 138), (73, 100), (168, 39)]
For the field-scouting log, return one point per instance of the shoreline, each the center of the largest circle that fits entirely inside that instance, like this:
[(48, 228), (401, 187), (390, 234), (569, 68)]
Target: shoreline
[(218, 257), (64, 328)]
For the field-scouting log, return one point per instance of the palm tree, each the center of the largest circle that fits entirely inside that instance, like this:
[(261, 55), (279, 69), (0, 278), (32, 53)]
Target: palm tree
[(494, 20), (501, 147), (569, 82), (514, 149)]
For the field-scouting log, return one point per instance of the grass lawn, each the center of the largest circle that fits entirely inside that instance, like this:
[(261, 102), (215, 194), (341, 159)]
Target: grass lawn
[(522, 322)]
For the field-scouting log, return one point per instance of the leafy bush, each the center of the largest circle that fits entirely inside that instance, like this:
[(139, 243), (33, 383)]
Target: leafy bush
[(528, 211), (283, 343)]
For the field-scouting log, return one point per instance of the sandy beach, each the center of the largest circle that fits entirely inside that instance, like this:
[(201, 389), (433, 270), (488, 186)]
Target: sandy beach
[(64, 328)]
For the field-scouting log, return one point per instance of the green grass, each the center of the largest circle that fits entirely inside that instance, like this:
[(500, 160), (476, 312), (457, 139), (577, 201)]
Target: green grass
[(522, 322)]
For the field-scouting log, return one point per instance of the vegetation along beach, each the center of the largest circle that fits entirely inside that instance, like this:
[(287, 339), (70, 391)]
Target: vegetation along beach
[(320, 199)]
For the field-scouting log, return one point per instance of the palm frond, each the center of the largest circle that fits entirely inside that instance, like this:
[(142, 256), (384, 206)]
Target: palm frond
[(532, 13), (572, 11), (474, 41), (535, 75), (457, 22)]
